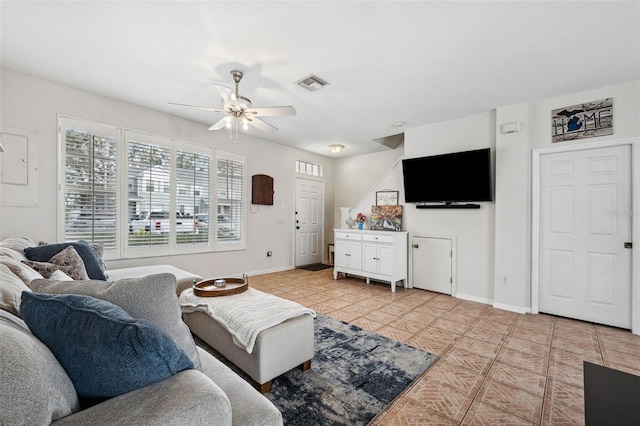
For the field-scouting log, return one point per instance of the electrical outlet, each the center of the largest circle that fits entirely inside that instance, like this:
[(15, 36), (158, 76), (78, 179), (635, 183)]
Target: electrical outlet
[(503, 280), (269, 254)]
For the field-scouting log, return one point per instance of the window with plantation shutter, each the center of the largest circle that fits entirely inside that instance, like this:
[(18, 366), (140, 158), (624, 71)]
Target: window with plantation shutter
[(192, 175), (90, 182), (149, 205), (142, 195), (230, 217)]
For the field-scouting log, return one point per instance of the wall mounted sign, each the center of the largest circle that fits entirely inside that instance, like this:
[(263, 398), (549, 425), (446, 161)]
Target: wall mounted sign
[(587, 120), (386, 198)]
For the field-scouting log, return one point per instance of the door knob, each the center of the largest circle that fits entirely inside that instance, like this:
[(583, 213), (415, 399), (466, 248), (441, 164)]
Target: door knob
[(297, 227), (415, 246)]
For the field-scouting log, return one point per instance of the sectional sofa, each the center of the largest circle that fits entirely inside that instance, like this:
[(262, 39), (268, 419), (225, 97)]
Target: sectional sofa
[(92, 351)]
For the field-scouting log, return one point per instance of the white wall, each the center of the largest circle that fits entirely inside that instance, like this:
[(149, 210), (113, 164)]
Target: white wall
[(474, 229), (33, 104), (626, 114), (355, 176), (495, 241), (513, 207), (513, 179)]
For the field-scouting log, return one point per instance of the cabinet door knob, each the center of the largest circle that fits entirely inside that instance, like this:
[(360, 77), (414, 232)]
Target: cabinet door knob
[(415, 246)]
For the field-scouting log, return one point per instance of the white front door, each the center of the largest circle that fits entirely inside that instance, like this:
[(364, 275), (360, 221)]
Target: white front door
[(585, 220), (309, 221)]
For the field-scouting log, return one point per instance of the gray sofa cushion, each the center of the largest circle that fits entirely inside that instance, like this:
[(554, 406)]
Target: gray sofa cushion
[(11, 288), (186, 398), (152, 298), (22, 271), (34, 387), (104, 350), (241, 394), (17, 243)]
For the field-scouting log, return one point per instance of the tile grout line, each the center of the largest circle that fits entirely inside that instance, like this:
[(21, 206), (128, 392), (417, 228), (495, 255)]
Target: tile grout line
[(493, 361), (546, 381)]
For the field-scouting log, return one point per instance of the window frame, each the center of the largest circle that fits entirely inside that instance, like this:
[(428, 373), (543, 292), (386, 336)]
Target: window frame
[(94, 128), (123, 135), (307, 165), (220, 245)]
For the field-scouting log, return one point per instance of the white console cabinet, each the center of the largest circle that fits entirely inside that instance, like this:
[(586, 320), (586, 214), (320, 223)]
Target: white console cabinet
[(381, 255)]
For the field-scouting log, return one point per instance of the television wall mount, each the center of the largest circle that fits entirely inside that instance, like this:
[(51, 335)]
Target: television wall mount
[(448, 205)]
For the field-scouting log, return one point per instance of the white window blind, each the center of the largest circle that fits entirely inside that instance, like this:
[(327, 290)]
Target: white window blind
[(150, 213), (230, 217), (90, 182), (192, 174)]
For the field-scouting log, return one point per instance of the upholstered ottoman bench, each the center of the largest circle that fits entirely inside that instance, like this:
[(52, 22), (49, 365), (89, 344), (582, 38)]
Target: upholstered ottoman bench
[(281, 335), (185, 279)]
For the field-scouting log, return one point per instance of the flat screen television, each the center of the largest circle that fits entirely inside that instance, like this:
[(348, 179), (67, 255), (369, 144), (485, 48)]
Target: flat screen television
[(448, 178)]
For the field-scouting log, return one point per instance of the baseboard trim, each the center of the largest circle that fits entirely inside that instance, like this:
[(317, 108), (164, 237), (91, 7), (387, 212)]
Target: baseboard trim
[(474, 298), (512, 308), (270, 271)]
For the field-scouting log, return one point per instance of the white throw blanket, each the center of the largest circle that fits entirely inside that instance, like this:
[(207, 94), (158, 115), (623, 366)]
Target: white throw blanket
[(246, 314)]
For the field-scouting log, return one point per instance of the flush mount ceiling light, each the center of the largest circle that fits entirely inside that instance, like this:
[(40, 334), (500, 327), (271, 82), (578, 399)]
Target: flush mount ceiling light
[(336, 148), (398, 124)]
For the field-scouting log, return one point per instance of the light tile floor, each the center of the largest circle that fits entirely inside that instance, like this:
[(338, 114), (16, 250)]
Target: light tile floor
[(495, 367)]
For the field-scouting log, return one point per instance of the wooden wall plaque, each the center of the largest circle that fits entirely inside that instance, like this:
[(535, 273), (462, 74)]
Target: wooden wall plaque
[(262, 190)]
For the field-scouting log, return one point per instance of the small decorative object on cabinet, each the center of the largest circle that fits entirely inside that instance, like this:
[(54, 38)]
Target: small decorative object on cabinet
[(350, 222), (371, 254), (360, 218)]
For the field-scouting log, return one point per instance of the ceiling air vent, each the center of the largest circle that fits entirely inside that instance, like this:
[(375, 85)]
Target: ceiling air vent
[(312, 83)]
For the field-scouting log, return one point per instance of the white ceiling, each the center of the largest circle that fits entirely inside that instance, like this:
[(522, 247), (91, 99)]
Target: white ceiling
[(418, 62)]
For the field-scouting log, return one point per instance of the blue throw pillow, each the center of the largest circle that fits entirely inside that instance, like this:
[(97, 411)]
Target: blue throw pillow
[(91, 263), (104, 350)]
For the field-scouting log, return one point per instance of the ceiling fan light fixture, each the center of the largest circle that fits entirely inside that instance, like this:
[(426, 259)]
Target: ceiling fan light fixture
[(238, 110), (336, 148)]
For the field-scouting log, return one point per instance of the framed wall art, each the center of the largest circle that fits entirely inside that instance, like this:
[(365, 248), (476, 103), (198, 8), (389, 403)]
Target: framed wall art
[(587, 120), (386, 218), (387, 198)]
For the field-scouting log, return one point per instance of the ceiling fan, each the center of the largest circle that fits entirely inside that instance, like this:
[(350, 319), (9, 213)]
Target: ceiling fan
[(239, 110)]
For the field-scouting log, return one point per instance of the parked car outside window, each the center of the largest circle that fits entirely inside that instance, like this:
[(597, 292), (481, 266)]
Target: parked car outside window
[(224, 227)]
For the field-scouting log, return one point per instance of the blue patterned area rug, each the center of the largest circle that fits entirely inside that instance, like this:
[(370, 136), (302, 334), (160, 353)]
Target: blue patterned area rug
[(354, 375)]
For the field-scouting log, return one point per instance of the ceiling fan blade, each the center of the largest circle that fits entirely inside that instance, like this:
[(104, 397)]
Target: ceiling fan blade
[(270, 111), (219, 125), (261, 125), (198, 107), (225, 93)]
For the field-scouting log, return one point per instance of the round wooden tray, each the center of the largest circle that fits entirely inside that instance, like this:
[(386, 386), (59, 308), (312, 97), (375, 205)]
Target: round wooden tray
[(206, 288)]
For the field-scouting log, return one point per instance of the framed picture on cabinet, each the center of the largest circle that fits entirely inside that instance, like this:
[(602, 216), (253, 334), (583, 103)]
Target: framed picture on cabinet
[(386, 198), (386, 218)]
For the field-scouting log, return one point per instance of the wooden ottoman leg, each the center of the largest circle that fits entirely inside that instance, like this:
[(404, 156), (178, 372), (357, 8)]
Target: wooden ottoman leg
[(262, 388), (305, 365)]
